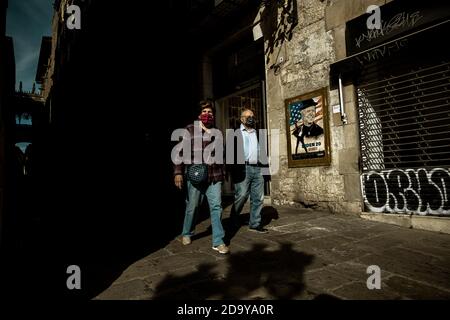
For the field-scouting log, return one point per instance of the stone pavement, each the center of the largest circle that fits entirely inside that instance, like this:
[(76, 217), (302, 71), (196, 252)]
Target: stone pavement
[(306, 255)]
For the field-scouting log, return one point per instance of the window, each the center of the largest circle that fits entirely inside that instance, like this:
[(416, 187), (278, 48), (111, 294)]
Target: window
[(24, 119)]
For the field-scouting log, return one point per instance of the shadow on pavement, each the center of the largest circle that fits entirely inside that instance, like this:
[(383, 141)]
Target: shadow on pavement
[(326, 297), (268, 214), (254, 274)]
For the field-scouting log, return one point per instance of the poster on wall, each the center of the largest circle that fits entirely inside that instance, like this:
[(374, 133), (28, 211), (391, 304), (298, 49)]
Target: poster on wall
[(308, 136)]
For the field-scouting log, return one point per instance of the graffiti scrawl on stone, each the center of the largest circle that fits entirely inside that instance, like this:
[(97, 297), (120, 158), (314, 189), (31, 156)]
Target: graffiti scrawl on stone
[(417, 191)]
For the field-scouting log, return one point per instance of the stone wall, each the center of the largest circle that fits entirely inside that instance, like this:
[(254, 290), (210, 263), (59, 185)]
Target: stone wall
[(318, 40)]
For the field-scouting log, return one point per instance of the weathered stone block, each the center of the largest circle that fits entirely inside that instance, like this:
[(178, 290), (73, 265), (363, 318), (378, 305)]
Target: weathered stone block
[(351, 111), (437, 224), (335, 14), (351, 135), (339, 42), (349, 93), (403, 220), (352, 187), (348, 161), (334, 98)]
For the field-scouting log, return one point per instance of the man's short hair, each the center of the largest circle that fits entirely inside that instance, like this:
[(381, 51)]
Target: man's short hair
[(207, 103), (245, 108)]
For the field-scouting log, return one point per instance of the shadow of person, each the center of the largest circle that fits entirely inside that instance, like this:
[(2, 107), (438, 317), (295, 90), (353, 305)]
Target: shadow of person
[(182, 288), (326, 297), (254, 274), (232, 226), (203, 213), (227, 200), (206, 233), (268, 214), (279, 273)]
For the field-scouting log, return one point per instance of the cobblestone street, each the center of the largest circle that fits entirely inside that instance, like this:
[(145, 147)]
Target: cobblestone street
[(306, 255)]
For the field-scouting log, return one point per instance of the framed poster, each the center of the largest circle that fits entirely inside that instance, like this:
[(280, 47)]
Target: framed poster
[(307, 128)]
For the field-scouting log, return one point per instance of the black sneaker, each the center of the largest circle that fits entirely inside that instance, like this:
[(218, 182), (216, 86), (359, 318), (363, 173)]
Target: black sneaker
[(259, 229)]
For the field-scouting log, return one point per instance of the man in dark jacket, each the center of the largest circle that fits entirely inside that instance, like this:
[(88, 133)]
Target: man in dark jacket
[(248, 176)]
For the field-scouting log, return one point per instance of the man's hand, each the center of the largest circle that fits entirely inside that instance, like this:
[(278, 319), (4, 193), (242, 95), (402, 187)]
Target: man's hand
[(179, 181)]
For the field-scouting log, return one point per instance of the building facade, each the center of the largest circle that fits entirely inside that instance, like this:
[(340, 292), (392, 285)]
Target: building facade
[(388, 120), (379, 96), (357, 99)]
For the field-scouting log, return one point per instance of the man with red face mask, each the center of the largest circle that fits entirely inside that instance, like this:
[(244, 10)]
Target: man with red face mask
[(211, 187)]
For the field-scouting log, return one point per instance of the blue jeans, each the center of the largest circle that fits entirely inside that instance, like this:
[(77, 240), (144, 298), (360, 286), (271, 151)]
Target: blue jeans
[(213, 193), (253, 186)]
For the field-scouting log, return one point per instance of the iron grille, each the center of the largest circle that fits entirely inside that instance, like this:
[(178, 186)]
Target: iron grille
[(405, 120), (405, 141)]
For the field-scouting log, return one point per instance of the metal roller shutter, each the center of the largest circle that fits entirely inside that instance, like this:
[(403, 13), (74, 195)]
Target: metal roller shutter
[(405, 141)]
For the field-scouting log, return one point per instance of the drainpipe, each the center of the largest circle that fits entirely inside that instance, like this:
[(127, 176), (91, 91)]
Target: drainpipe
[(341, 101)]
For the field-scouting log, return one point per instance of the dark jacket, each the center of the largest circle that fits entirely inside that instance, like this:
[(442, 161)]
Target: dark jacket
[(237, 168), (304, 131)]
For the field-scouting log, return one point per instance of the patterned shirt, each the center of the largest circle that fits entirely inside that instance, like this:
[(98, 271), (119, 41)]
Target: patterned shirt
[(216, 172)]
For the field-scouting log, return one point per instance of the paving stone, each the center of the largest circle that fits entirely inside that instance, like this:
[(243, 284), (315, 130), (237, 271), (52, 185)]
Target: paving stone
[(354, 272), (125, 291), (199, 290), (166, 264), (420, 268), (415, 290), (359, 291), (177, 277), (290, 227), (325, 243), (329, 224), (343, 252), (441, 255), (360, 234), (304, 234), (324, 278)]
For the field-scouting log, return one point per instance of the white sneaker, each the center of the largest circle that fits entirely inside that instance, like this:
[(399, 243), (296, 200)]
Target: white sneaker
[(185, 240), (222, 248)]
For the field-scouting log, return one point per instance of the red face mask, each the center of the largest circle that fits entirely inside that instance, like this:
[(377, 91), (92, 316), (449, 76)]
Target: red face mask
[(207, 119)]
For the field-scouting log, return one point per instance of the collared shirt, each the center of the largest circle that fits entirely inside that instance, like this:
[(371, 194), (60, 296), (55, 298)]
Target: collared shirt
[(250, 144), (216, 172)]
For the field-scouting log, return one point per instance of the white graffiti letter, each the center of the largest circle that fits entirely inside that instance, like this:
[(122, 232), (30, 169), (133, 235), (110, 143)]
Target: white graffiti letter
[(274, 151), (374, 21), (198, 143), (181, 153), (374, 281), (74, 21), (231, 147), (74, 281), (213, 152)]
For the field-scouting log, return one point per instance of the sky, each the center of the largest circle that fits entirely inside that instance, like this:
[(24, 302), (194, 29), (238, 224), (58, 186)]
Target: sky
[(26, 22)]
